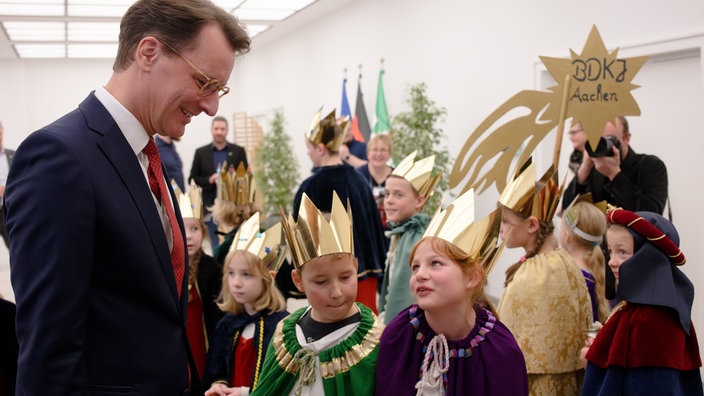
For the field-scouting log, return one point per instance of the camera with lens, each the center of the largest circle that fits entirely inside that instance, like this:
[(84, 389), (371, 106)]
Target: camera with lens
[(605, 147)]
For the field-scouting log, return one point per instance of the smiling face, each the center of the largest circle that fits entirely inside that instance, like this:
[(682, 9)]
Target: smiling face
[(330, 285), (170, 96), (401, 201), (194, 235), (378, 153), (620, 243), (245, 284), (438, 283)]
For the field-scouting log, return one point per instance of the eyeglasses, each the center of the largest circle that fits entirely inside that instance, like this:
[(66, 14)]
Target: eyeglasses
[(207, 87)]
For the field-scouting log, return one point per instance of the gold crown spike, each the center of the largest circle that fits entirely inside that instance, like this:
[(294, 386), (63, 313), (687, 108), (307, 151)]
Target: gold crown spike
[(418, 173), (191, 203), (548, 192), (314, 235), (479, 239), (326, 131), (236, 186), (265, 245), (528, 197)]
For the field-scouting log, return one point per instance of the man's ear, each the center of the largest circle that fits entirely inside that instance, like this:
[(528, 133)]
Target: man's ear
[(296, 277), (146, 51)]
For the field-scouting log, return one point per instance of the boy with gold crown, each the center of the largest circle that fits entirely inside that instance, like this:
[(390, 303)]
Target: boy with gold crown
[(450, 342), (407, 189), (253, 307), (329, 347), (323, 142), (203, 277), (545, 301)]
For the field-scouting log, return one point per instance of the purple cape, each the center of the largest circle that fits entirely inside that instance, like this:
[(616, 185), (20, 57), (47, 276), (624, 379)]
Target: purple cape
[(495, 365)]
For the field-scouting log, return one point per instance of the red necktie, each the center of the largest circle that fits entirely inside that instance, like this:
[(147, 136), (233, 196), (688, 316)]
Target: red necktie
[(158, 187)]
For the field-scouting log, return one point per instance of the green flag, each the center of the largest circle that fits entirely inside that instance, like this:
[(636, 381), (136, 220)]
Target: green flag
[(382, 124)]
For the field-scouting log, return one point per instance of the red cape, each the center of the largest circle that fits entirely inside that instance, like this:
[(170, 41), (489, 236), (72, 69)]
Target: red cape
[(645, 336)]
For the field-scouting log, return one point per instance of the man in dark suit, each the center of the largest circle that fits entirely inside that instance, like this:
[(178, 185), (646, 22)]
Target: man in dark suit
[(97, 260), (204, 170), (6, 156)]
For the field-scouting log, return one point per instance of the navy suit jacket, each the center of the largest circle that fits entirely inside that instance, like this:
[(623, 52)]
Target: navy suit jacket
[(97, 304), (203, 168)]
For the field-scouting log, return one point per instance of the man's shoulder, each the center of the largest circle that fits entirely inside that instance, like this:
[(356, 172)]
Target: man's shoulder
[(234, 147)]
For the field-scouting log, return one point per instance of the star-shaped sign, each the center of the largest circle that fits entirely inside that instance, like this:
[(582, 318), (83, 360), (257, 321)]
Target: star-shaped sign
[(600, 85)]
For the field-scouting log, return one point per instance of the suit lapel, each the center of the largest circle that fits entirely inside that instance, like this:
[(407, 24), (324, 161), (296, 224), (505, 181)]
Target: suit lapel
[(118, 151)]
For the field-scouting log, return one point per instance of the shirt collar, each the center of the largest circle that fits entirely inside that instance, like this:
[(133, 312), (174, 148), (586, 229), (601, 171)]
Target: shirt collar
[(134, 132)]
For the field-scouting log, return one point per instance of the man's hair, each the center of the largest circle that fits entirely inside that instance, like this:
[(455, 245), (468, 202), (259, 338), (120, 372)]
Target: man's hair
[(219, 118), (176, 23), (624, 122)]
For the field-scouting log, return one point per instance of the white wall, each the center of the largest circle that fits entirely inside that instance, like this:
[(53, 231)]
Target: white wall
[(472, 55)]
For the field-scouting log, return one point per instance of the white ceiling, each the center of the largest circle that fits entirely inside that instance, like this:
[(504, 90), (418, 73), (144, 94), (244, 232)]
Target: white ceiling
[(101, 17)]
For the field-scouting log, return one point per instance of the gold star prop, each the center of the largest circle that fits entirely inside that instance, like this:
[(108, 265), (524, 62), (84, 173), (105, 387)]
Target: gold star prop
[(593, 87), (600, 84)]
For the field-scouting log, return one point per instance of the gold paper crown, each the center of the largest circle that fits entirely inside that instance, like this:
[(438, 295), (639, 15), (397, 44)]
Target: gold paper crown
[(191, 203), (265, 245), (528, 197), (236, 186), (479, 239), (327, 131), (314, 235), (418, 173)]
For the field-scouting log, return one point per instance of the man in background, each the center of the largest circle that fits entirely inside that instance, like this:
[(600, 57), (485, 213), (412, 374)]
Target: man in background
[(5, 162), (98, 262), (206, 165), (171, 159), (620, 176)]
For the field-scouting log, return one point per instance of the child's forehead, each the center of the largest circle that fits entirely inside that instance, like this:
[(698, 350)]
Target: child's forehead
[(329, 264), (618, 232), (398, 182)]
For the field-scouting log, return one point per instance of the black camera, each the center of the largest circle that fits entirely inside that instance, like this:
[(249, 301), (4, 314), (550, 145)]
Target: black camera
[(605, 147)]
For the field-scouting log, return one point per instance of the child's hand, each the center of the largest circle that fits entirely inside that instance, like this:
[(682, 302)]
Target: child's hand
[(220, 390), (583, 352)]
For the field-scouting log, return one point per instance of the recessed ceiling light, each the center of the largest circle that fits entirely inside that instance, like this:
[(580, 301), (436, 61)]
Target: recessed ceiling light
[(41, 50), (35, 31)]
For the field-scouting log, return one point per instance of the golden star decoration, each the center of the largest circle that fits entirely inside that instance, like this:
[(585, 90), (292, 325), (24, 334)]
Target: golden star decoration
[(600, 87), (599, 90)]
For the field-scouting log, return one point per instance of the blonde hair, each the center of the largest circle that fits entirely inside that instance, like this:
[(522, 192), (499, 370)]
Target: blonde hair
[(271, 299), (229, 214), (469, 265), (592, 221), (380, 138)]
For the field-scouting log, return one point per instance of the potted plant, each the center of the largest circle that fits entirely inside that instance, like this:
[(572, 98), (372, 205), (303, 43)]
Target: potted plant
[(417, 129), (276, 169)]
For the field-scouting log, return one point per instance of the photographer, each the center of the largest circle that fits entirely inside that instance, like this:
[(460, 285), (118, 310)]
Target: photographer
[(617, 174)]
